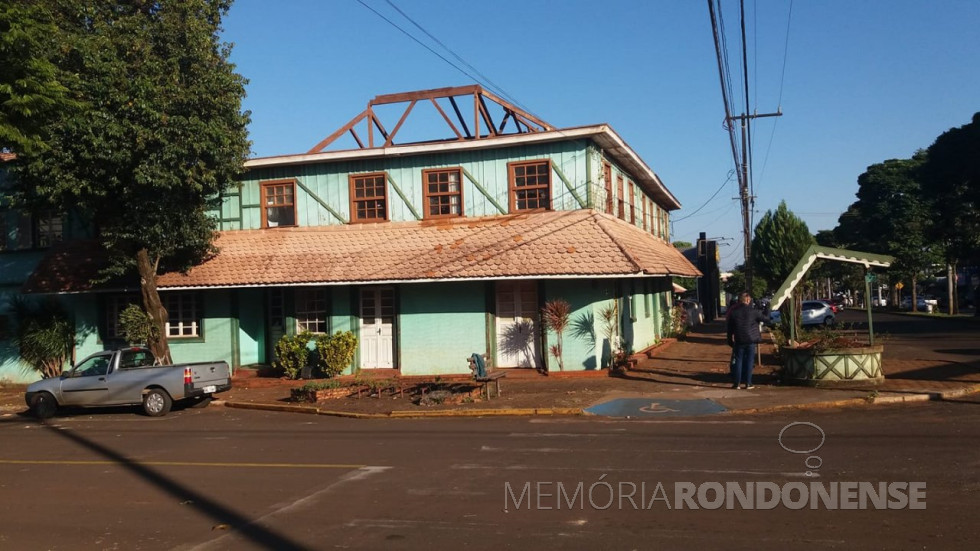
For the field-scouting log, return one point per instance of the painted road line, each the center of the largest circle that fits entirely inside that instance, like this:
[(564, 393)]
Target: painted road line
[(183, 464)]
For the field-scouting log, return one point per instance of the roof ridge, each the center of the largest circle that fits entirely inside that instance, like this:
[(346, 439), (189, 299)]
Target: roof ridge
[(599, 216)]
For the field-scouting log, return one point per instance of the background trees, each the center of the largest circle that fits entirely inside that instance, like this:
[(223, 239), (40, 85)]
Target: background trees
[(160, 136), (950, 185), (892, 217)]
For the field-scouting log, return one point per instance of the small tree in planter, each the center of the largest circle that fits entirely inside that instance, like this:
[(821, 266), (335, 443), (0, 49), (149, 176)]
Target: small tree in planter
[(556, 315), (292, 354), (335, 352)]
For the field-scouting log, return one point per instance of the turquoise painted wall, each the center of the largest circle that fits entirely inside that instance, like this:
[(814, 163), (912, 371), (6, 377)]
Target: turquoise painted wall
[(216, 344), (438, 333), (329, 183), (583, 342)]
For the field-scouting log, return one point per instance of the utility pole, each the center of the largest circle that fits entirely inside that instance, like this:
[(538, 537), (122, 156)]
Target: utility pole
[(747, 199), (741, 164)]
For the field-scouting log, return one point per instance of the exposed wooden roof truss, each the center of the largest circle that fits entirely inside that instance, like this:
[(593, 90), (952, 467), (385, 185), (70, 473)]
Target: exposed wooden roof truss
[(465, 124)]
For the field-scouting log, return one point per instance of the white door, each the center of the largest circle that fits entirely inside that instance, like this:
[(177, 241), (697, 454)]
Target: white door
[(517, 324), (377, 327)]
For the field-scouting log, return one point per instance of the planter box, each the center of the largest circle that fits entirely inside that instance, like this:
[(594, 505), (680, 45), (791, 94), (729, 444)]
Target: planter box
[(835, 367)]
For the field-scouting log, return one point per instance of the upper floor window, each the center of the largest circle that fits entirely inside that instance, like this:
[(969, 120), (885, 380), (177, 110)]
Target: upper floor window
[(369, 202), (20, 230), (530, 185), (443, 193), (607, 179), (644, 202), (49, 230), (632, 200), (278, 203), (620, 193)]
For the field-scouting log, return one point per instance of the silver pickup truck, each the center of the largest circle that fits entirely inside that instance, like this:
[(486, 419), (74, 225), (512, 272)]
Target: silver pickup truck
[(128, 377)]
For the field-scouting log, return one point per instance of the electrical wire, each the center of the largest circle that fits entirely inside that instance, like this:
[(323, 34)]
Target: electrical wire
[(486, 80), (713, 195), (420, 43), (779, 103)]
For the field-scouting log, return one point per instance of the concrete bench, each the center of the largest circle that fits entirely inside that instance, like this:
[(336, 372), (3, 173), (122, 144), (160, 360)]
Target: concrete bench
[(490, 377)]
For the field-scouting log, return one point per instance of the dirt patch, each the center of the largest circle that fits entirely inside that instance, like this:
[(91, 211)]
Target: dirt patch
[(539, 392)]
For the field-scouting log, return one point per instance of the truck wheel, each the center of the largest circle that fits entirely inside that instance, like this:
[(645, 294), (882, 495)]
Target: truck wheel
[(44, 406), (156, 402), (201, 402)]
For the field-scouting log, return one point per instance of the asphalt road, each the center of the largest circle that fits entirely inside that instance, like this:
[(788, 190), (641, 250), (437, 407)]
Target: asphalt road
[(223, 478), (920, 337)]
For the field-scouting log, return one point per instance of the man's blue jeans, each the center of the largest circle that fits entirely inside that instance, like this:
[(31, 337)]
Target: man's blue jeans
[(744, 361)]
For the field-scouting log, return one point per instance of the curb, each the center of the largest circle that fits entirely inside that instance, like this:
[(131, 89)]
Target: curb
[(890, 398), (406, 414), (959, 392)]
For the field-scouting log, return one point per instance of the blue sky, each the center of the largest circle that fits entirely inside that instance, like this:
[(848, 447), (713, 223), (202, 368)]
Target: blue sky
[(864, 81)]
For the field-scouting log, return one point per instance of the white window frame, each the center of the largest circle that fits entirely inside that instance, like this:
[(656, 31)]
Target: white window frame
[(183, 314), (311, 311)]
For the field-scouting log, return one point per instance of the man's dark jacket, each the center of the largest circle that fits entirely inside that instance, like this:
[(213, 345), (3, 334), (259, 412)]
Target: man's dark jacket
[(743, 324)]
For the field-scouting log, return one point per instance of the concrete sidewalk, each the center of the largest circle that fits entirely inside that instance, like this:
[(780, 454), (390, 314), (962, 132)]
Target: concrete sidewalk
[(689, 370)]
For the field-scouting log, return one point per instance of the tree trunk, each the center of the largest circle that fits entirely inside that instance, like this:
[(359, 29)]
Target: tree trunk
[(915, 297), (159, 347), (950, 286)]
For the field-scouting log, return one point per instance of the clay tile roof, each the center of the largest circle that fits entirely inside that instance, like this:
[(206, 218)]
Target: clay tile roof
[(580, 243)]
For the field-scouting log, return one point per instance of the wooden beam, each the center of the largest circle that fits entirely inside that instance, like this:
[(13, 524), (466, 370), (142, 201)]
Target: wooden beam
[(486, 116), (446, 118), (330, 139), (426, 94), (525, 115), (459, 116), (394, 131), (381, 127)]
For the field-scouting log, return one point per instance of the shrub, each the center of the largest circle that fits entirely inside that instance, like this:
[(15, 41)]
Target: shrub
[(45, 335), (137, 326), (335, 352), (292, 354)]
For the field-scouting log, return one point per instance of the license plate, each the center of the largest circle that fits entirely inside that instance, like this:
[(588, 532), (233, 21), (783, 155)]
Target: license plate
[(210, 389)]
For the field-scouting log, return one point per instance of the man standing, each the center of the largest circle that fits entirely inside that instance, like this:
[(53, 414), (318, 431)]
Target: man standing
[(743, 335)]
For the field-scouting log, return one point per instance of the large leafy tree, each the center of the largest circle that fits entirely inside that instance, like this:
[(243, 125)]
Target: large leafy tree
[(891, 217), (951, 186), (162, 136), (33, 91)]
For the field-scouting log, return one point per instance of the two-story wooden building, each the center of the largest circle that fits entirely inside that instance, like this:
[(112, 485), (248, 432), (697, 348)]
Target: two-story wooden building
[(428, 251)]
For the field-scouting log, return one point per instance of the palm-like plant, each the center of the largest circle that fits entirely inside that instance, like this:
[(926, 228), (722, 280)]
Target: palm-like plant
[(556, 315), (45, 335)]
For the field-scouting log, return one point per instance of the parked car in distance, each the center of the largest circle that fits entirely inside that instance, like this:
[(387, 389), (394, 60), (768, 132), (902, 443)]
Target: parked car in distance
[(815, 312), (922, 303), (836, 304), (695, 313)]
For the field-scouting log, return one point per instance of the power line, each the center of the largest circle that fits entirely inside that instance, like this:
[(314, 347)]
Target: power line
[(420, 43), (779, 102), (713, 195), (489, 83)]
